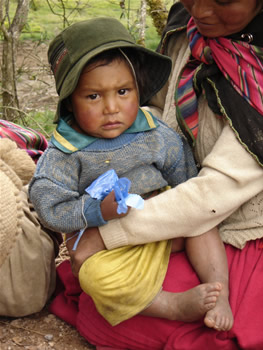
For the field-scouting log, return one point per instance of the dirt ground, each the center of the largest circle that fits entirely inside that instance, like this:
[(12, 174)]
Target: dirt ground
[(35, 83), (41, 331)]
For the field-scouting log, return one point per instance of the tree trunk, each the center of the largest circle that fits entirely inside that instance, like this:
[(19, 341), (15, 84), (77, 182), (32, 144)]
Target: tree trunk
[(143, 13), (9, 94), (11, 30), (158, 13)]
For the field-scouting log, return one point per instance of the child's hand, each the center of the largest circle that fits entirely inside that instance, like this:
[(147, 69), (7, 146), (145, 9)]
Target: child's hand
[(109, 208)]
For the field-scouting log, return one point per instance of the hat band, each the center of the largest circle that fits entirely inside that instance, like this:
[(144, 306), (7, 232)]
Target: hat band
[(59, 53)]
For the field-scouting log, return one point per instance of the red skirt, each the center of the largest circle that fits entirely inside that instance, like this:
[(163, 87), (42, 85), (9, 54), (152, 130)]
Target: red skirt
[(146, 333)]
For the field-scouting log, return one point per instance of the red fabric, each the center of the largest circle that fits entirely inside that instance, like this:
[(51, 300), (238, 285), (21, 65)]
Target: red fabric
[(65, 303), (144, 333), (106, 348)]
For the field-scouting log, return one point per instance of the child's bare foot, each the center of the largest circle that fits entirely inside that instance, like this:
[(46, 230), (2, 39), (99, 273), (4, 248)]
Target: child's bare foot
[(220, 317), (188, 306), (191, 305)]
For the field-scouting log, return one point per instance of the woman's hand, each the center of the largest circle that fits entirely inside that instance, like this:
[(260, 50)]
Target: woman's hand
[(89, 244)]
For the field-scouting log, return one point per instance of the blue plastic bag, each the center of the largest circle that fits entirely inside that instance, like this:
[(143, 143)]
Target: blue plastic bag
[(108, 182), (103, 185)]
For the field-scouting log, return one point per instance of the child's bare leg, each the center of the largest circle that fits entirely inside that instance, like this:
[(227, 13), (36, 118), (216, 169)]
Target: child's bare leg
[(178, 244), (89, 244), (208, 257), (188, 306)]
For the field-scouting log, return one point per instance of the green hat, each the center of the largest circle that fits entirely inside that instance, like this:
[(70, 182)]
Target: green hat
[(70, 51)]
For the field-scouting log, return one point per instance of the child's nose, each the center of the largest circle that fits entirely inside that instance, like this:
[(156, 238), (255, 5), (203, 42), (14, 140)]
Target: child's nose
[(111, 105)]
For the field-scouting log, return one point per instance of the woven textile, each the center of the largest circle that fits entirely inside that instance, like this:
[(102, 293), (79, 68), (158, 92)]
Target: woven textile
[(240, 63), (26, 138)]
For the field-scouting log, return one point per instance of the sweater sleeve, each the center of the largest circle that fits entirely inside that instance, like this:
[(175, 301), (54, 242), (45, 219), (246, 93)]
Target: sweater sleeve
[(227, 180), (56, 198)]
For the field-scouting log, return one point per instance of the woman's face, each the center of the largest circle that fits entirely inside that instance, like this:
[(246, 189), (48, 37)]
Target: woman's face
[(216, 18)]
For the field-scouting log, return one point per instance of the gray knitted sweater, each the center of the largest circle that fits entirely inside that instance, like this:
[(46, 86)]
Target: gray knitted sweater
[(150, 160)]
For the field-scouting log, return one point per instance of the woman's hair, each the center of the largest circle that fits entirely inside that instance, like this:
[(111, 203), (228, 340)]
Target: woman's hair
[(135, 58)]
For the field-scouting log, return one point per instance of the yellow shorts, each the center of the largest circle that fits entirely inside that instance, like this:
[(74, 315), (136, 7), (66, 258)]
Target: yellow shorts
[(124, 281)]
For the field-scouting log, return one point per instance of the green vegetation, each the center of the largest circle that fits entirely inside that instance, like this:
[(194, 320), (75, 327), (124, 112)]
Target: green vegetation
[(41, 121), (44, 25)]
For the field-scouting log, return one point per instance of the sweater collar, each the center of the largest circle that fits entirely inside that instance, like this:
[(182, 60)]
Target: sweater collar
[(68, 140)]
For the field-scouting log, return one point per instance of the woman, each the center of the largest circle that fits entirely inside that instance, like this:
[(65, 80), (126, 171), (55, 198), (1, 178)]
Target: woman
[(215, 93)]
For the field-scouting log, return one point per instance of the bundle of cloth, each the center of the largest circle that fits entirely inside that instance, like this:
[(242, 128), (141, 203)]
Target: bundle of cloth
[(24, 243)]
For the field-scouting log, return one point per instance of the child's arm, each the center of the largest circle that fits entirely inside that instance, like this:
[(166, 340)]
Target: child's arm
[(55, 194), (62, 209)]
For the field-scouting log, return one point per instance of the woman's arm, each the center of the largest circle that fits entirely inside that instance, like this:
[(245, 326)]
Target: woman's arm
[(229, 177)]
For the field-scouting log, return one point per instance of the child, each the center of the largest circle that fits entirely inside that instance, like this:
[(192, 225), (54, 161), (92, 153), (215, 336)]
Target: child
[(102, 77)]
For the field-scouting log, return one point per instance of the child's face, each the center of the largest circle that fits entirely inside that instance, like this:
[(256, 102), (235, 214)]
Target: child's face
[(105, 101)]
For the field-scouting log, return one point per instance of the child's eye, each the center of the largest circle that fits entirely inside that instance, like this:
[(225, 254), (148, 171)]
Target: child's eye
[(93, 96), (123, 91), (223, 2)]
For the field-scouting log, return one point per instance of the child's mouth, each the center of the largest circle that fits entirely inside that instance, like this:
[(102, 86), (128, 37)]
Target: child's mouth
[(112, 125)]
